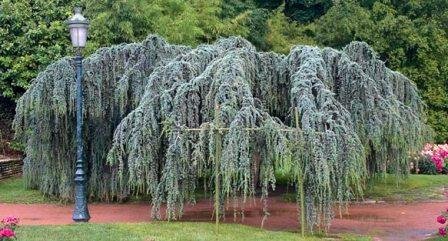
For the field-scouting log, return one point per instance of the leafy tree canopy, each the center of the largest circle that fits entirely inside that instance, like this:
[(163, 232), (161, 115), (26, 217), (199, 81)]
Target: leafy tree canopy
[(410, 36), (306, 10), (32, 35)]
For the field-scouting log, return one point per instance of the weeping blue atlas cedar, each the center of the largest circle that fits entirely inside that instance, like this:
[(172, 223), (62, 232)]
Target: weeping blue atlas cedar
[(325, 118)]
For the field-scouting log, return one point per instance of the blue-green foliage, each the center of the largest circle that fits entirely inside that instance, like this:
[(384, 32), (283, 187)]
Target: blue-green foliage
[(355, 117)]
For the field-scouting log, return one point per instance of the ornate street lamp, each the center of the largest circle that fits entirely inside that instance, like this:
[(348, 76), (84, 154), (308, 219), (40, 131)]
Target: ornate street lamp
[(78, 26)]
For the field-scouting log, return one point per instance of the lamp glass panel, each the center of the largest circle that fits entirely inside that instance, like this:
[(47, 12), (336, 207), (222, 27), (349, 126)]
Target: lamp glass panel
[(78, 36)]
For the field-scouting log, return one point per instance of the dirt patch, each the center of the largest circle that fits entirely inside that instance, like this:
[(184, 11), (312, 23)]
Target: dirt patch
[(415, 221)]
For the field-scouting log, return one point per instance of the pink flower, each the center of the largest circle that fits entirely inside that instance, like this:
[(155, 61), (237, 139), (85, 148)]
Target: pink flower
[(8, 233), (441, 219), (438, 161), (10, 221), (442, 231), (437, 153)]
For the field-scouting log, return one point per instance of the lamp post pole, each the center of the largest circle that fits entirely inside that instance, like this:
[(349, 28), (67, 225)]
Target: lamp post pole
[(81, 212), (78, 32)]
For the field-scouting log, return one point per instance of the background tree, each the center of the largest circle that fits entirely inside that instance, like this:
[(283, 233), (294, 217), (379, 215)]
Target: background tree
[(283, 34), (410, 36), (305, 11), (32, 35), (184, 22)]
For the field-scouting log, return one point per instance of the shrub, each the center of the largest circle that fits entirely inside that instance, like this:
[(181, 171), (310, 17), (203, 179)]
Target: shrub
[(438, 154), (426, 166), (442, 220), (9, 223)]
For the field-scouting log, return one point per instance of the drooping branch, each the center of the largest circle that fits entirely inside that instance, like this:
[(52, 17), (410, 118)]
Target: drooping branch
[(356, 117)]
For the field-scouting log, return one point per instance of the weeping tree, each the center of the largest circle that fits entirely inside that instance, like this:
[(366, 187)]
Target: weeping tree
[(164, 119)]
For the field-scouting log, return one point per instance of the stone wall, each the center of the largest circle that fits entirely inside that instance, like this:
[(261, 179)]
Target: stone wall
[(10, 167)]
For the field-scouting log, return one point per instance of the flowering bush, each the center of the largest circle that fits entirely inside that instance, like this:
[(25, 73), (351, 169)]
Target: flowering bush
[(9, 223), (7, 234), (442, 220), (437, 153)]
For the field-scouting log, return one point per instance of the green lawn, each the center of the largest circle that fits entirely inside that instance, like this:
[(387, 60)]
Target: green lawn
[(438, 238), (413, 188), (13, 191), (410, 189), (161, 231)]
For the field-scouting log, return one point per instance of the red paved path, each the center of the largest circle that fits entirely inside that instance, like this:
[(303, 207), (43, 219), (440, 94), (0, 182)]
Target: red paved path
[(385, 221)]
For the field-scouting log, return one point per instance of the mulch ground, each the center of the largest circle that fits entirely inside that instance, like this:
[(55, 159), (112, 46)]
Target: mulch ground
[(415, 221)]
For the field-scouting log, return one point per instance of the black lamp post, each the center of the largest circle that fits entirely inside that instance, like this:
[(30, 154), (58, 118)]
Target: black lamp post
[(78, 26)]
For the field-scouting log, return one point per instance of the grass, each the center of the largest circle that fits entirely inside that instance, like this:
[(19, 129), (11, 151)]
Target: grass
[(438, 238), (411, 189), (161, 231), (13, 191)]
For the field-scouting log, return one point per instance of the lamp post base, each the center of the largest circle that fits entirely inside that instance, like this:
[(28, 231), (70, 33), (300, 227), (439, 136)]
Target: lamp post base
[(81, 212), (81, 217)]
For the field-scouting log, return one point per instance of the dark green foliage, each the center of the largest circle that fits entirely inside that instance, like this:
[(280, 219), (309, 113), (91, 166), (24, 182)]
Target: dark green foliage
[(269, 4), (284, 34), (32, 35), (232, 8), (7, 107), (258, 28), (345, 22), (183, 22), (426, 166), (306, 11), (411, 36), (119, 21), (256, 20)]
